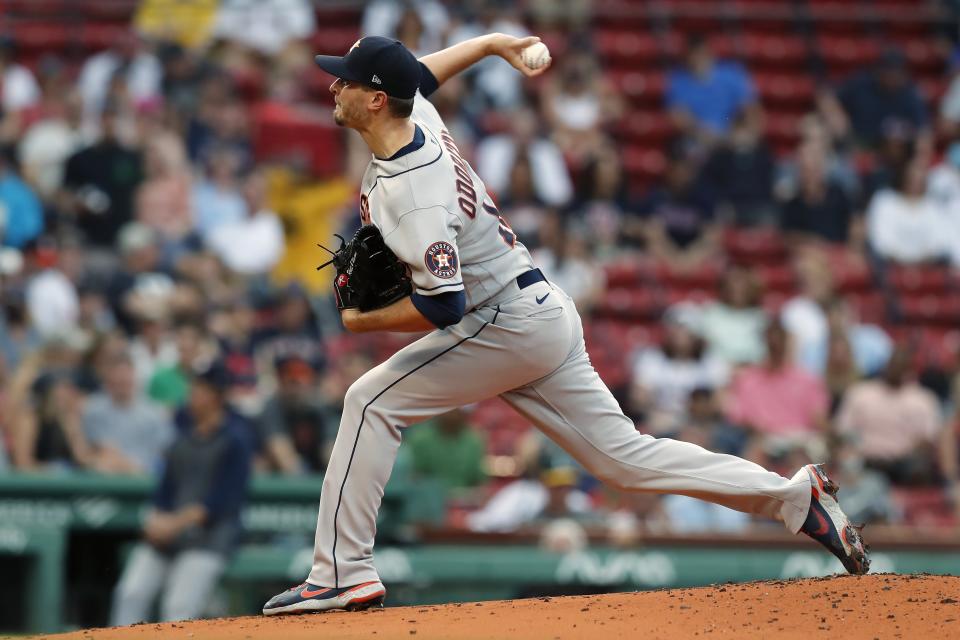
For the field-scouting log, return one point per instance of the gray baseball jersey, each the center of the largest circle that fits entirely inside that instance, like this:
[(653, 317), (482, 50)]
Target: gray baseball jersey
[(521, 340), (435, 214)]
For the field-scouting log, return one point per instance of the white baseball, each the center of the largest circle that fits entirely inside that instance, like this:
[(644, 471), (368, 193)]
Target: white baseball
[(535, 56)]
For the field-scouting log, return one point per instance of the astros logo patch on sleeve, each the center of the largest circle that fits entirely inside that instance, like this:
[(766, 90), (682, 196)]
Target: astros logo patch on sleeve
[(441, 260)]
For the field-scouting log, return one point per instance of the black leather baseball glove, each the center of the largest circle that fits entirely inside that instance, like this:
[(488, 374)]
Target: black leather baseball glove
[(369, 274)]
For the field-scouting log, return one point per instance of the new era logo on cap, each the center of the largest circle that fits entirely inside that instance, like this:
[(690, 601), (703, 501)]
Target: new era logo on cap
[(379, 62)]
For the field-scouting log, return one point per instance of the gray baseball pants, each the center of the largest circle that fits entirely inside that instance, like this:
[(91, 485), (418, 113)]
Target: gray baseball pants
[(525, 346), (186, 579)]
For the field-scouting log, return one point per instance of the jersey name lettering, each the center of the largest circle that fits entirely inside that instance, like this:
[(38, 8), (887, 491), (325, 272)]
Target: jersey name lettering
[(468, 195)]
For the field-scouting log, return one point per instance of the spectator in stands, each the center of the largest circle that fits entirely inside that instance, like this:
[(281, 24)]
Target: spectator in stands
[(886, 92), (44, 407), (18, 92), (18, 336), (139, 249), (22, 219), (220, 119), (152, 347), (543, 492), (52, 302), (267, 26), (565, 258), (903, 224), (232, 324), (821, 210), (194, 524), (163, 200), (128, 433), (818, 138), (217, 197), (664, 377), (943, 183), (129, 66), (254, 244), (706, 423), (804, 315), (894, 422), (450, 450), (497, 154), (170, 385), (293, 427), (706, 97), (603, 202), (740, 172), (521, 206), (578, 104), (679, 225), (866, 493), (48, 143), (99, 184), (868, 344), (950, 103), (383, 17), (293, 332), (493, 84), (733, 325), (776, 399)]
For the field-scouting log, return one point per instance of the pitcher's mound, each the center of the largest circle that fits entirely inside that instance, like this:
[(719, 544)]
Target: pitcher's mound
[(848, 607)]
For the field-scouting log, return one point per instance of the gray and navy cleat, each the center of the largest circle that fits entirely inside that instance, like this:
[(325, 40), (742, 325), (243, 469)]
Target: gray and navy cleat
[(307, 598), (828, 524)]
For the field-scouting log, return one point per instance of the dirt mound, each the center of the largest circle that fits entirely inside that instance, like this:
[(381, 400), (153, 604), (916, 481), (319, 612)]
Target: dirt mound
[(876, 606)]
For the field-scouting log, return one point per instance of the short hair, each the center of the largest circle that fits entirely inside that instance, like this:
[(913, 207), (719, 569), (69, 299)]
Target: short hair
[(400, 107)]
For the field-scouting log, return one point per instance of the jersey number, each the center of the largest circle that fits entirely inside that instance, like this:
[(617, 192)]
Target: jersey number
[(504, 229)]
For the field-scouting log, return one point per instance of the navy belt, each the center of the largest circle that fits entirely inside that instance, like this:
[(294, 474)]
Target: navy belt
[(533, 276)]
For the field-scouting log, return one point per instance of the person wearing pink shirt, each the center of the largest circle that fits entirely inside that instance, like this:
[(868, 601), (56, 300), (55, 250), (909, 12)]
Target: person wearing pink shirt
[(894, 422), (777, 398)]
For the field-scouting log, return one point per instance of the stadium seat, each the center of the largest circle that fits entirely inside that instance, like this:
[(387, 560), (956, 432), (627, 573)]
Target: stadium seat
[(639, 87), (650, 127), (626, 48), (917, 280), (779, 89), (773, 50), (930, 309), (629, 304), (760, 245)]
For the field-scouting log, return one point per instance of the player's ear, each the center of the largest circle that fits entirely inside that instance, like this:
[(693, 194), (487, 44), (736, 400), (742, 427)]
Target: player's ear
[(378, 101)]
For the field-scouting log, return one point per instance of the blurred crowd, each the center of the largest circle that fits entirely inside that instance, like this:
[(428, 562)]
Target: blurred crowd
[(145, 316)]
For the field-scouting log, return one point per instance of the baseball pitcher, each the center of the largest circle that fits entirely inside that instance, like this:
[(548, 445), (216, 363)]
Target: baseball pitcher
[(435, 255)]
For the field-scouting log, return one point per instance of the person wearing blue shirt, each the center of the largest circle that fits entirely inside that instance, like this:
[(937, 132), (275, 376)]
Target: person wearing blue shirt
[(21, 214), (194, 524), (705, 96)]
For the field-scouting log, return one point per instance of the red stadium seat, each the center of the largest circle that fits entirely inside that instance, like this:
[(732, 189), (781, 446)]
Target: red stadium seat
[(845, 52), (705, 277), (334, 40), (755, 246), (644, 166), (651, 128), (773, 50), (639, 87), (629, 304), (777, 278), (930, 309), (917, 280), (870, 307), (281, 131), (777, 89), (628, 48)]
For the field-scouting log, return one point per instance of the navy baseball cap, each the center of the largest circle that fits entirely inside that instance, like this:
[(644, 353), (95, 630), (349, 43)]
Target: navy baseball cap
[(382, 63)]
